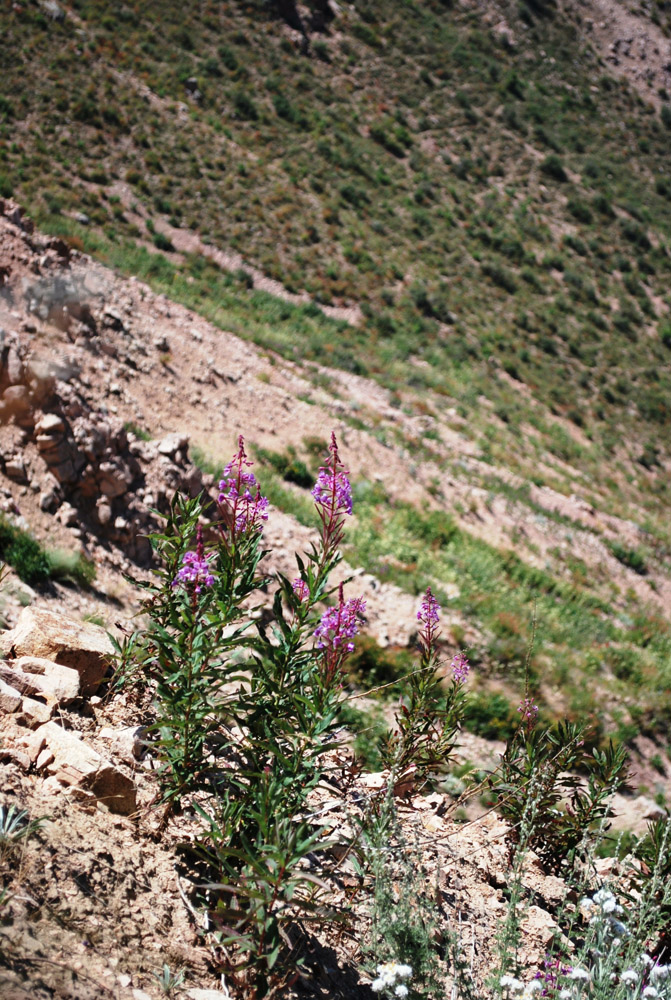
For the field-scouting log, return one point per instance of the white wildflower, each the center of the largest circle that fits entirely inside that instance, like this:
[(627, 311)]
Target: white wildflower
[(629, 976), (377, 985), (578, 973), (511, 983), (606, 900), (404, 971), (565, 995), (650, 992), (533, 987), (401, 991), (659, 972)]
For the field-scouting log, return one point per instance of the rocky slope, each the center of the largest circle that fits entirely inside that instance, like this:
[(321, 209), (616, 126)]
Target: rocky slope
[(105, 388)]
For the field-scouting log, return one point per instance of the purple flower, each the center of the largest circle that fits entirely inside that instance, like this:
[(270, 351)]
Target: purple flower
[(429, 619), (195, 569), (300, 589), (240, 495), (528, 711), (460, 668), (428, 613), (332, 491), (339, 625)]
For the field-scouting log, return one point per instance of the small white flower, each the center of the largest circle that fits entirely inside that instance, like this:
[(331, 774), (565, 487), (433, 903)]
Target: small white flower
[(565, 995), (578, 973), (533, 987), (401, 991), (647, 961), (650, 992), (659, 972), (604, 896), (404, 971), (512, 984), (629, 976), (377, 985)]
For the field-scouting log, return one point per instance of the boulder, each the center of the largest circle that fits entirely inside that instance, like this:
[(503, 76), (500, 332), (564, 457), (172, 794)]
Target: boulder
[(82, 646), (77, 763)]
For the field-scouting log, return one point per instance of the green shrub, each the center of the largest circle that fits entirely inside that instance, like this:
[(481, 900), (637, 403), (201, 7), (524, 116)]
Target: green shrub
[(288, 465), (21, 551), (162, 242), (244, 107), (628, 557), (580, 211), (553, 167)]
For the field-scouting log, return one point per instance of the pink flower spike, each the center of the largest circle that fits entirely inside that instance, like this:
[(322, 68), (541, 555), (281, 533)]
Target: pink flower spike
[(333, 491), (460, 668), (240, 495), (300, 589), (195, 570), (528, 711), (429, 618), (339, 625)]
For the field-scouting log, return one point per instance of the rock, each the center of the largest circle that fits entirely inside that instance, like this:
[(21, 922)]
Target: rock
[(82, 218), (44, 758), (113, 318), (10, 698), (16, 404), (16, 470), (18, 756), (113, 481), (35, 675), (50, 423), (173, 443), (129, 743), (32, 744), (36, 712), (68, 516), (49, 501), (104, 511), (14, 370), (82, 646), (76, 763)]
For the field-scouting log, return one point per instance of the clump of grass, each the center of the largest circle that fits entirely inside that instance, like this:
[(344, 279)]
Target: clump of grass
[(632, 558), (71, 567)]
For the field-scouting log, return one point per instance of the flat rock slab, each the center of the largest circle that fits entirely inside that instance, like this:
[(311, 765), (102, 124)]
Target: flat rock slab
[(33, 675), (77, 763), (82, 646)]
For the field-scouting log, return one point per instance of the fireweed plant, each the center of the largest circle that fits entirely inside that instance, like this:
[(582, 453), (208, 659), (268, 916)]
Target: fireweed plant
[(247, 710)]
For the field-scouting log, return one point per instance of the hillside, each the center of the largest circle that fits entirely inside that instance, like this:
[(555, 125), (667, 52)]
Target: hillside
[(441, 230), (442, 204)]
